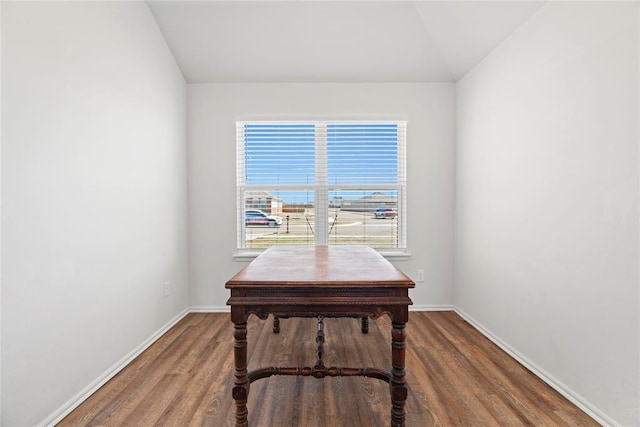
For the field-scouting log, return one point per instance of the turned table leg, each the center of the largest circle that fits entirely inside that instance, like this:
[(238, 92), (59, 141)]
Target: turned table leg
[(365, 324), (397, 384), (241, 382)]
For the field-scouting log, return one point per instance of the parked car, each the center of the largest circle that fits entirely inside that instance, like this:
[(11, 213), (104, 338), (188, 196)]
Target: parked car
[(385, 213), (257, 217)]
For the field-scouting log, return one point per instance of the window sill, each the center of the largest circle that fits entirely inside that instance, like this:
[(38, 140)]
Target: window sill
[(395, 255), (243, 256), (390, 254)]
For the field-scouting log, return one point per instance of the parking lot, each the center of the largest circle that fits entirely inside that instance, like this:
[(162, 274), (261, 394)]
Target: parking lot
[(345, 227)]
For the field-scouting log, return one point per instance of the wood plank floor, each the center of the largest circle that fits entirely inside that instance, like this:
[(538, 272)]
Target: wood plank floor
[(456, 377)]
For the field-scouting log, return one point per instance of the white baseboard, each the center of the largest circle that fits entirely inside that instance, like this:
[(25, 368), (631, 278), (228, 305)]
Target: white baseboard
[(443, 307), (557, 385), (210, 309), (83, 395), (226, 309)]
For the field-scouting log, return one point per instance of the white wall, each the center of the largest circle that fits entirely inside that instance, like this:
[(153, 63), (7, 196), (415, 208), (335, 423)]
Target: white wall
[(213, 110), (547, 200), (93, 195), (0, 215)]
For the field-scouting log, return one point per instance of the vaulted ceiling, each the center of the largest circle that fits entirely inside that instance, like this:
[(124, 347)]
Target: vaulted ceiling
[(334, 41)]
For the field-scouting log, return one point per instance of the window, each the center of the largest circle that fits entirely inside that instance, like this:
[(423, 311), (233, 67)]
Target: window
[(321, 183)]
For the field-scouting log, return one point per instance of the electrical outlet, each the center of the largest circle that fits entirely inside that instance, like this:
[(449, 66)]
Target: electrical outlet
[(420, 275), (167, 289)]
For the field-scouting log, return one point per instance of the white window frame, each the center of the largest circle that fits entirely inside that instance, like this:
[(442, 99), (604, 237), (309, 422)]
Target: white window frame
[(321, 187)]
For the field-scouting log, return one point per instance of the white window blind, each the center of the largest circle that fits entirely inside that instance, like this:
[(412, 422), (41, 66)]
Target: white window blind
[(322, 183)]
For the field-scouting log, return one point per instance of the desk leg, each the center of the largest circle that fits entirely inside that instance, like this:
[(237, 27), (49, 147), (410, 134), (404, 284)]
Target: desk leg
[(397, 384), (365, 324), (241, 382)]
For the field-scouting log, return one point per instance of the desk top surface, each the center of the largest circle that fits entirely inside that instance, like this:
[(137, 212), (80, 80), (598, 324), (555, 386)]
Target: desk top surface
[(329, 266)]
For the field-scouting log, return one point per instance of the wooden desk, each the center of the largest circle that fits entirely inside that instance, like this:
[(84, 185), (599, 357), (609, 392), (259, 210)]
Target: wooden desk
[(320, 281)]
